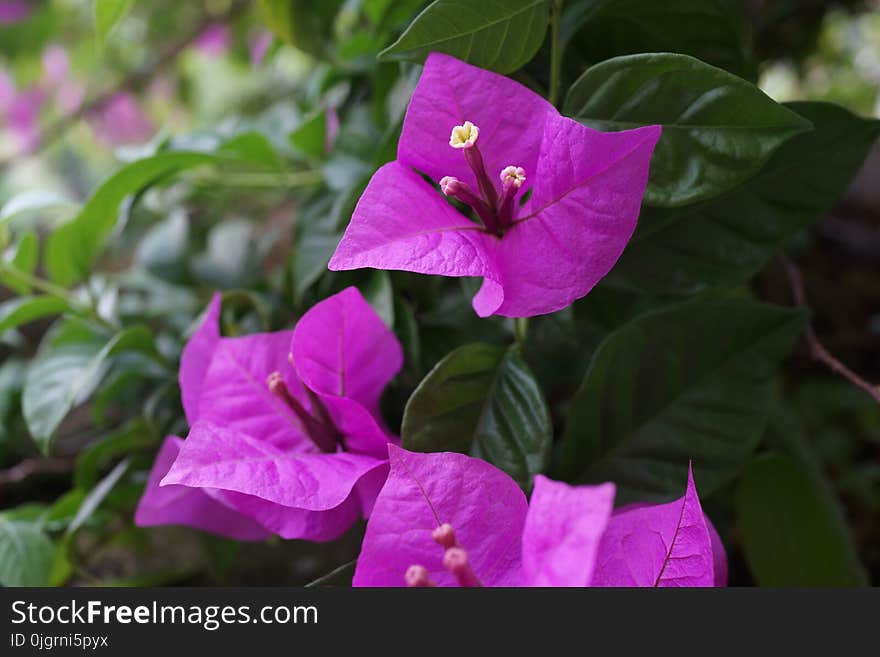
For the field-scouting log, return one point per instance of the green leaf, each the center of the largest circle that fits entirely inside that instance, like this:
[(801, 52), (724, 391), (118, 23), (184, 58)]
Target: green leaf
[(514, 431), (21, 310), (23, 258), (71, 250), (482, 399), (380, 295), (66, 371), (714, 31), (718, 129), (137, 435), (690, 382), (309, 138), (442, 413), (26, 554), (787, 532), (93, 500), (108, 14), (493, 34), (306, 24), (725, 241)]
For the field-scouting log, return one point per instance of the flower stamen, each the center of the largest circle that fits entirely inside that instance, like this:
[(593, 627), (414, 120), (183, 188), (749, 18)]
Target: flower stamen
[(512, 178), (418, 577), (319, 430), (455, 560), (461, 191), (464, 137)]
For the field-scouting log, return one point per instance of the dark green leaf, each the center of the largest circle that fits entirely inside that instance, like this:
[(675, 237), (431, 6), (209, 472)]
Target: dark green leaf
[(482, 399), (135, 436), (714, 31), (725, 241), (788, 534), (443, 412), (305, 24), (686, 383), (93, 500), (514, 431), (26, 554), (500, 35), (717, 128)]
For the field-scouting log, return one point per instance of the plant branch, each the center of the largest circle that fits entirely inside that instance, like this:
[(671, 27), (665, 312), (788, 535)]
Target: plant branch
[(134, 80), (817, 350), (37, 466)]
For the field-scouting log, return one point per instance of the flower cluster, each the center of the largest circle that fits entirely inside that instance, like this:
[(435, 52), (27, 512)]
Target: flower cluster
[(286, 436)]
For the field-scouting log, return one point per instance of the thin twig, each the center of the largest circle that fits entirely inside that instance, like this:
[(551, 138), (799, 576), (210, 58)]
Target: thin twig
[(30, 467), (817, 349), (134, 80)]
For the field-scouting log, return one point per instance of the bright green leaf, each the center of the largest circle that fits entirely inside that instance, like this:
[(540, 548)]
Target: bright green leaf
[(310, 137), (23, 258), (22, 310), (718, 129), (690, 382), (500, 35), (108, 14)]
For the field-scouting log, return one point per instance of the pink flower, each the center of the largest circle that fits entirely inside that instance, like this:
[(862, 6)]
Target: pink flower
[(285, 427), (14, 11), (556, 201), (258, 46), (121, 121), (214, 41), (446, 519)]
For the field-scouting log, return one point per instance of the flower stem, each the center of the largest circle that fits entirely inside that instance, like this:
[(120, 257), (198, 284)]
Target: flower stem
[(555, 52), (520, 329)]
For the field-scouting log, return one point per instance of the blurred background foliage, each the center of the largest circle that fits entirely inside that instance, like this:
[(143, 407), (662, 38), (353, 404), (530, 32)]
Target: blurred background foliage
[(285, 111)]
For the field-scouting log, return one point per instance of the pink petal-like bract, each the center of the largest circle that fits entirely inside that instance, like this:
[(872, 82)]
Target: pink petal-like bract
[(660, 545), (586, 191), (285, 426), (562, 532), (484, 506), (193, 507)]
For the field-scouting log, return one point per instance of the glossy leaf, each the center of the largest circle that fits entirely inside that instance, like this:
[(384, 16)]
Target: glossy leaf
[(514, 431), (500, 35), (686, 383), (302, 23), (482, 399), (718, 129), (726, 240), (788, 535), (442, 413)]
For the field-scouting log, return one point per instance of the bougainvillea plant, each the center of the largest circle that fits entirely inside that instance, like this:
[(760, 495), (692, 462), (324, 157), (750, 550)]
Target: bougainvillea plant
[(392, 293)]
